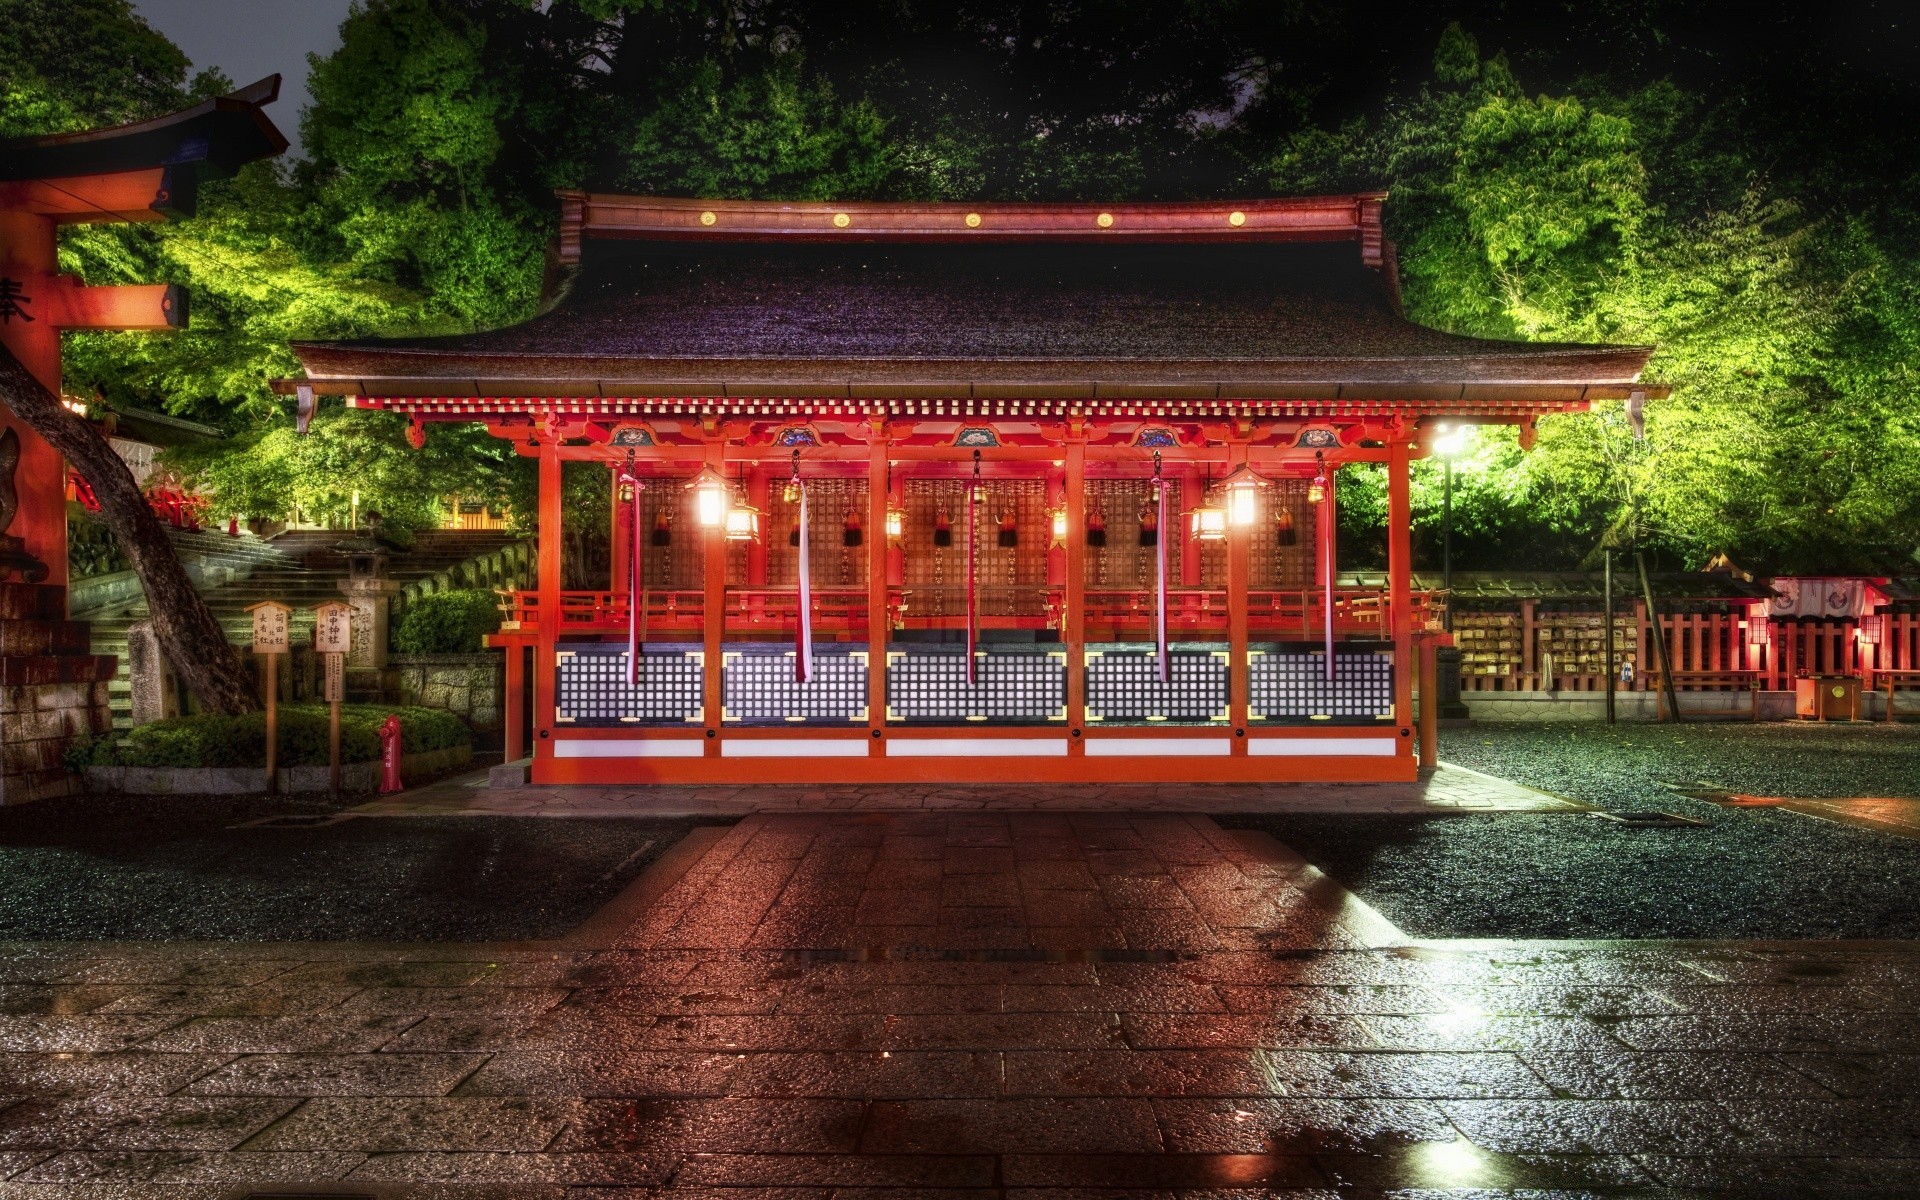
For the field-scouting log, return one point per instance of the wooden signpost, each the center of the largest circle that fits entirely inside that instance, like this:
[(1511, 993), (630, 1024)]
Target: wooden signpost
[(270, 640), (332, 639)]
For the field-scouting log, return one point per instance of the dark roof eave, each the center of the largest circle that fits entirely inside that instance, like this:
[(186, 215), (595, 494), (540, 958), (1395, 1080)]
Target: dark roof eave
[(225, 132), (334, 368)]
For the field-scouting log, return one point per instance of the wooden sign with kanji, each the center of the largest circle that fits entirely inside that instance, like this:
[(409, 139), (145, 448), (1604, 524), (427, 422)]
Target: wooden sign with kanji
[(270, 627), (333, 627)]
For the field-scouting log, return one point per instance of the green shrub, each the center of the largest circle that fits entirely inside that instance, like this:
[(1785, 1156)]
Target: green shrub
[(212, 740), (447, 622)]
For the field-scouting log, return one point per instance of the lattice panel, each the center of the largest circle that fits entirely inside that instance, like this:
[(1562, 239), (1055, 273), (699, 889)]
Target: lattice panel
[(1123, 563), (835, 564), (681, 563), (757, 686), (929, 683), (1011, 579), (1275, 563), (1293, 685), (591, 688), (1123, 685)]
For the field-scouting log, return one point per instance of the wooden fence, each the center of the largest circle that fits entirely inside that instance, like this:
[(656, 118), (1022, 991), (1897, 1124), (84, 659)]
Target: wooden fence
[(1556, 649)]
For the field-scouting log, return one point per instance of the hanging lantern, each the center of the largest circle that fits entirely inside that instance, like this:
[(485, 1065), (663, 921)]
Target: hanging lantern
[(896, 524), (853, 530), (1243, 496), (1759, 631), (1057, 524), (711, 498), (1870, 629), (1009, 535), (1149, 526), (942, 528), (743, 523), (1283, 534), (1208, 523), (662, 528), (1096, 528)]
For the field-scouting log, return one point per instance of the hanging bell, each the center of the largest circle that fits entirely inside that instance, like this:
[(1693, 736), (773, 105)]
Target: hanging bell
[(942, 529), (1009, 535), (662, 529), (792, 493), (853, 531), (1096, 528), (1283, 533), (1149, 526)]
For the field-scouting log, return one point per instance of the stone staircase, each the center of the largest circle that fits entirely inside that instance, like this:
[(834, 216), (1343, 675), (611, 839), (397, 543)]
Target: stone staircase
[(300, 568)]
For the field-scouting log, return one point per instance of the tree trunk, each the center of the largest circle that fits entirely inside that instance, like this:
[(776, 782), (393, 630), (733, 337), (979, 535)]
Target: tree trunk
[(189, 634)]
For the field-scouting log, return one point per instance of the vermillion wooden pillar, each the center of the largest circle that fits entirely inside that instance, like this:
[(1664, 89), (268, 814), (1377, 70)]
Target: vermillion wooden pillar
[(512, 705), (1074, 601), (621, 523), (1400, 586), (547, 580), (713, 626), (879, 549), (27, 258), (1239, 568)]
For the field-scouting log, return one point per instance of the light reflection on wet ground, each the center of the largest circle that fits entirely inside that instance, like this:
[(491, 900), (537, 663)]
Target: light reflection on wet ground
[(970, 1004)]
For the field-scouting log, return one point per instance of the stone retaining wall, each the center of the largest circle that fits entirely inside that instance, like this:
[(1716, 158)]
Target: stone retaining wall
[(1628, 706), (470, 686)]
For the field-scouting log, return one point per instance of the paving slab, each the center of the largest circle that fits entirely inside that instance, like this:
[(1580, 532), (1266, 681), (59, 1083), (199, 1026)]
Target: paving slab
[(866, 1003)]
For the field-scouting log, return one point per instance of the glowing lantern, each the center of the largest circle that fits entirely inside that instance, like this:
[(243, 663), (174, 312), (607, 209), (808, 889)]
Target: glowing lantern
[(743, 523), (1243, 500), (1208, 523), (710, 499), (896, 524), (1058, 526), (1869, 631)]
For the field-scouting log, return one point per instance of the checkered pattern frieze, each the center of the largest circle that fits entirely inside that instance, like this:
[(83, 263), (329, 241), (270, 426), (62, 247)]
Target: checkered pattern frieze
[(757, 686), (591, 688), (1123, 684), (1012, 687), (1292, 685)]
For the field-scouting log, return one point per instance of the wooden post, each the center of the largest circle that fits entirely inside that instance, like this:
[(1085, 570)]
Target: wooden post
[(513, 708), (1429, 705), (879, 549), (1075, 601), (270, 641), (333, 641), (551, 536), (1607, 602), (1529, 645), (1400, 580), (714, 606)]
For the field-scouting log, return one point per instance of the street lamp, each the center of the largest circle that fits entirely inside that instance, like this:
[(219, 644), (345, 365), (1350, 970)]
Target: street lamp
[(1448, 444)]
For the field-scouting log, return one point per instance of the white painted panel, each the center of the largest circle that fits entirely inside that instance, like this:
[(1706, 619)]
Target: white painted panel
[(1365, 747), (785, 748), (1190, 747), (977, 748), (628, 748)]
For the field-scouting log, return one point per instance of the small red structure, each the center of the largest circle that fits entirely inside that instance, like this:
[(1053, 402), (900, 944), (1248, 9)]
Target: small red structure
[(1042, 492), (390, 753)]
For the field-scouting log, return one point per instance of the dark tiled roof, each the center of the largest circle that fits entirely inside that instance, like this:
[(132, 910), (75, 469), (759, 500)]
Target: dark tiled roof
[(880, 312)]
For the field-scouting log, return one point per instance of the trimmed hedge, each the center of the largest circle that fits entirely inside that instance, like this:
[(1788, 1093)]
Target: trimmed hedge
[(212, 740), (447, 622)]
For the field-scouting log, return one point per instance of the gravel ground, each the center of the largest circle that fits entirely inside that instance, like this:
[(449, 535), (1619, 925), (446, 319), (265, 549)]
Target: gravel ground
[(167, 868), (1753, 873)]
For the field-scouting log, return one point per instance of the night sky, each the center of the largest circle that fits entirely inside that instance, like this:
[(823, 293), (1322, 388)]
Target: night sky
[(251, 38)]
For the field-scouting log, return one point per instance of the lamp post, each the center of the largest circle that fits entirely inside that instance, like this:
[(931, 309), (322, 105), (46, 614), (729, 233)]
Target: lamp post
[(1448, 445)]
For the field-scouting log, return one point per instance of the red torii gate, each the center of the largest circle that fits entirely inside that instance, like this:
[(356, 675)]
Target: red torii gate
[(51, 688)]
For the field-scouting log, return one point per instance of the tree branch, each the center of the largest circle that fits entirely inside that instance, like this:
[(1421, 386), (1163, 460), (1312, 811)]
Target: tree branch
[(189, 634)]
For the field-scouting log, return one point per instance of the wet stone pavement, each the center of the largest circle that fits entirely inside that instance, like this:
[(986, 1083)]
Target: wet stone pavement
[(873, 1005)]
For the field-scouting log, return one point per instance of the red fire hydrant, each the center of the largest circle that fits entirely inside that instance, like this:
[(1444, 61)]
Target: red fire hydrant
[(390, 756)]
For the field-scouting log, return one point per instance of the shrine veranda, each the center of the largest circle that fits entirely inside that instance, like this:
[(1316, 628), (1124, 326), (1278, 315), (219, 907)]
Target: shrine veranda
[(1069, 472)]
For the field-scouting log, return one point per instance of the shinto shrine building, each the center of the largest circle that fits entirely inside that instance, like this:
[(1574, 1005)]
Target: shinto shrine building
[(952, 492)]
